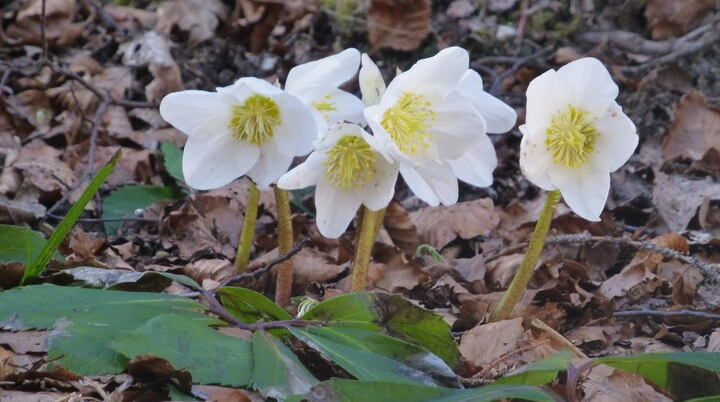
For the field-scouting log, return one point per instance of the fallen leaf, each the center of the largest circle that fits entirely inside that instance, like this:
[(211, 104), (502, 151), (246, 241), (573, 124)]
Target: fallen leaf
[(604, 384), (148, 368), (677, 198), (441, 225), (670, 18), (485, 343), (460, 9), (152, 51), (59, 26), (260, 17), (694, 130), (197, 19), (498, 6), (401, 228), (398, 24), (7, 365)]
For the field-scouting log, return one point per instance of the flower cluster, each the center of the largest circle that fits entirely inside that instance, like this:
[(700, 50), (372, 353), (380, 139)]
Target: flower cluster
[(429, 125)]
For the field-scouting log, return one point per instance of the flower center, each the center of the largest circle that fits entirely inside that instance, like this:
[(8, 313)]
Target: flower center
[(350, 162), (570, 137), (325, 106), (254, 120), (408, 123)]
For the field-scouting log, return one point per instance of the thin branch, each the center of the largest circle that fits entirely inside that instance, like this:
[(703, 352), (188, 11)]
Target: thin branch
[(43, 36), (665, 314), (265, 268), (515, 67)]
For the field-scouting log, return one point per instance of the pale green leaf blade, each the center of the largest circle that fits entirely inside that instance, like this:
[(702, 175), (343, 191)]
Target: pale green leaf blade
[(172, 156), (373, 356), (125, 200), (17, 243), (209, 355), (250, 306), (85, 320), (395, 316), (540, 372), (36, 267), (278, 371)]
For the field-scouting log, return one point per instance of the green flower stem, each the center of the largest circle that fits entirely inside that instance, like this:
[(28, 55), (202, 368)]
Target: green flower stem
[(248, 231), (366, 242), (283, 284), (527, 266)]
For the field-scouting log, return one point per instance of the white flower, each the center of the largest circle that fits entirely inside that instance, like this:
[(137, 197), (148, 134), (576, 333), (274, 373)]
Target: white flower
[(372, 85), (477, 164), (424, 122), (575, 135), (316, 84), (350, 170), (250, 127)]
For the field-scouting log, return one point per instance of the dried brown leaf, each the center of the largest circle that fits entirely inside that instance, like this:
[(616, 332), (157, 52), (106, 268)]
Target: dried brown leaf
[(677, 198), (398, 24), (401, 229), (441, 225), (59, 26), (484, 343), (694, 130), (395, 272), (605, 384), (260, 17), (672, 18), (149, 368), (198, 19)]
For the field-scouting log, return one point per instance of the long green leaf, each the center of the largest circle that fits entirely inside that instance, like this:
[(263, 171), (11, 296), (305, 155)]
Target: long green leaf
[(538, 373), (278, 372), (250, 306), (36, 268)]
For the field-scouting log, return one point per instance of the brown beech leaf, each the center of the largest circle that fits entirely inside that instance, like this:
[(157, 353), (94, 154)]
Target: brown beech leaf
[(604, 384), (260, 16), (672, 18), (441, 225), (401, 229), (197, 19), (484, 343), (678, 198), (694, 130), (398, 24), (149, 368), (59, 26)]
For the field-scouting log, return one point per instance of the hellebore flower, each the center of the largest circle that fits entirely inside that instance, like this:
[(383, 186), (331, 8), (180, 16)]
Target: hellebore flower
[(250, 127), (575, 135), (316, 84), (372, 85), (423, 121), (349, 169)]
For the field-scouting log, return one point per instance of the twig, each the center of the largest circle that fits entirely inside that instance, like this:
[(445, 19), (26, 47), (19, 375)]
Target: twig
[(43, 37), (515, 67), (265, 268), (554, 335), (663, 314), (481, 377)]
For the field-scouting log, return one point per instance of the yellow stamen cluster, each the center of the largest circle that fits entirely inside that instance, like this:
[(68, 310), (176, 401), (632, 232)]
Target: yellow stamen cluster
[(408, 123), (350, 163), (570, 137), (325, 106), (254, 120)]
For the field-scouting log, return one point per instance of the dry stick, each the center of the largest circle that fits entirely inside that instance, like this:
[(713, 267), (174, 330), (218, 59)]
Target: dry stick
[(284, 281), (557, 337), (265, 268), (43, 37), (664, 314)]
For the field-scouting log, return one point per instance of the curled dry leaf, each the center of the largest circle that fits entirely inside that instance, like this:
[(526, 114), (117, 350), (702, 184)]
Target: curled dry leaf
[(694, 130), (59, 26), (260, 17), (198, 19), (441, 225), (401, 229), (150, 50), (672, 18), (485, 343), (398, 24), (677, 198)]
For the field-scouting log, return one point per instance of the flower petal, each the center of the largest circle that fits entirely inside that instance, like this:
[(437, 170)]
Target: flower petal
[(335, 208), (591, 83), (247, 86), (546, 95), (432, 182), (535, 160), (348, 107), (618, 137), (372, 85), (585, 188), (498, 116), (457, 126), (477, 164), (271, 164), (305, 174), (440, 73), (213, 163), (379, 193), (196, 113), (297, 129), (311, 80)]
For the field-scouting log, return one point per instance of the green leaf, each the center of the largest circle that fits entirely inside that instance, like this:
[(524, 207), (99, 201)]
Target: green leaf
[(281, 373), (685, 374), (393, 315), (182, 279), (540, 372), (373, 356), (38, 264), (21, 244), (172, 155), (705, 399), (209, 355), (250, 306), (85, 320), (125, 200), (337, 390)]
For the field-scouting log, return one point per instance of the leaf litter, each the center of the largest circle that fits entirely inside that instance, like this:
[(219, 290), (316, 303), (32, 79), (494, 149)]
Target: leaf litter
[(54, 129)]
